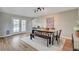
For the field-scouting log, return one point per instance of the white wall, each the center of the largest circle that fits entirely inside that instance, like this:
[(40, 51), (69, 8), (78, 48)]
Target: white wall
[(29, 25), (6, 22), (39, 21), (0, 25), (78, 13), (64, 20)]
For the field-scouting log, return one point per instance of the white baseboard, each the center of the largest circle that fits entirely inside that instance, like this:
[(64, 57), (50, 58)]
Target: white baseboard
[(3, 36), (66, 37)]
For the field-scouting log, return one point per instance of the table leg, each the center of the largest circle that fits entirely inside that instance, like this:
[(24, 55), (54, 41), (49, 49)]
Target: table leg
[(31, 36)]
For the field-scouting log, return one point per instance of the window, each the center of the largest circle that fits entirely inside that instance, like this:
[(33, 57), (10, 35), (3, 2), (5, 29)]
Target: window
[(19, 25), (16, 25), (23, 25)]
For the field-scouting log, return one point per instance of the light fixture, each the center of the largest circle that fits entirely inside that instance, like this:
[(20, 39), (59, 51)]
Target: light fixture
[(38, 9)]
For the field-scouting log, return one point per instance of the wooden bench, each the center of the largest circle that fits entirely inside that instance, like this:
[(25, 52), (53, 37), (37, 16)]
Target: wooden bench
[(43, 34)]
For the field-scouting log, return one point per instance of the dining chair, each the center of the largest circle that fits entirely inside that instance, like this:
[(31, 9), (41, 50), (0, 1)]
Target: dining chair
[(58, 34)]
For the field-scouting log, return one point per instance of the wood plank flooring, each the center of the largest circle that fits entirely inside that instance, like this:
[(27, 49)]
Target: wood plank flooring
[(67, 45), (15, 43)]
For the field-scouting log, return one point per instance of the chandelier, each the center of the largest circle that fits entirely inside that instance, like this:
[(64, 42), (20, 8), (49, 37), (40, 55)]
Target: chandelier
[(38, 9)]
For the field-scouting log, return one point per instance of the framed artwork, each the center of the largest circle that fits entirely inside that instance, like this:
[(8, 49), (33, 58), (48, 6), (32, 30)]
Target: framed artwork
[(50, 22)]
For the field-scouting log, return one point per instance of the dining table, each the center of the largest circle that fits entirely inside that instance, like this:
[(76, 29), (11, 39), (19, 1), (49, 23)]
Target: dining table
[(46, 34)]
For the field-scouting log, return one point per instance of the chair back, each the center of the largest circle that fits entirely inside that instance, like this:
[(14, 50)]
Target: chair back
[(59, 33), (72, 42)]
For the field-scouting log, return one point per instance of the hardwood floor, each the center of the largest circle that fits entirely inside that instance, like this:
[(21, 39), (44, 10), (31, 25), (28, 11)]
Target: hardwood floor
[(15, 43), (67, 45)]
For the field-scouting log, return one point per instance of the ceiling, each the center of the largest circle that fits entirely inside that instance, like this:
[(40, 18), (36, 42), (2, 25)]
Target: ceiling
[(29, 11)]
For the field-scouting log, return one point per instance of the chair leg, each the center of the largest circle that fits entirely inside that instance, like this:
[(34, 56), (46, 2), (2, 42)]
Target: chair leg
[(31, 36), (58, 40), (47, 42), (52, 41)]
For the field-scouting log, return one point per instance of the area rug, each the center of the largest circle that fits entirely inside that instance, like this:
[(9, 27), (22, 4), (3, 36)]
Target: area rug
[(41, 44)]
